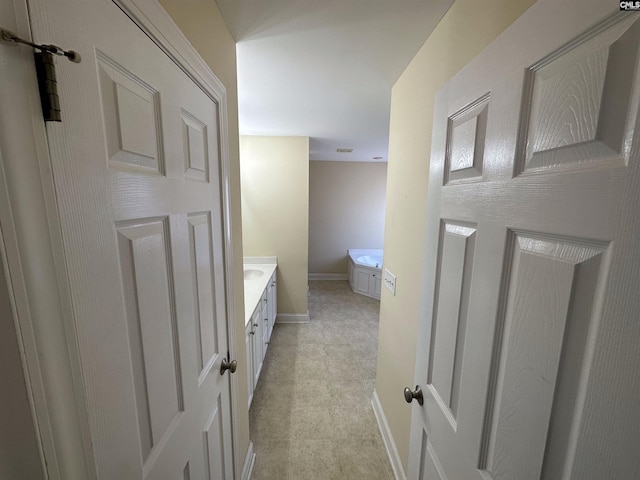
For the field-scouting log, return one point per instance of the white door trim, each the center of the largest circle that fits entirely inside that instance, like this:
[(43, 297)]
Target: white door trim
[(30, 209)]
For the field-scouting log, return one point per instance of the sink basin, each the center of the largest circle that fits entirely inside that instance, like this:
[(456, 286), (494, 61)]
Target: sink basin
[(252, 274)]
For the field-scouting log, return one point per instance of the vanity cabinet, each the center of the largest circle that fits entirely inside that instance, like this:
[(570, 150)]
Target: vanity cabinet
[(364, 280), (258, 333)]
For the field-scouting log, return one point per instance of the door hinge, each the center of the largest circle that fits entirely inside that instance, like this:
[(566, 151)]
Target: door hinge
[(46, 73), (48, 86)]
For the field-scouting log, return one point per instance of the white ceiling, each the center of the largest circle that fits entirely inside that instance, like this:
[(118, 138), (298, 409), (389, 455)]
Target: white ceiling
[(325, 68)]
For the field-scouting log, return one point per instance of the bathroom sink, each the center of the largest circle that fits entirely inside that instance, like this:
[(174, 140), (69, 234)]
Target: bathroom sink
[(252, 274)]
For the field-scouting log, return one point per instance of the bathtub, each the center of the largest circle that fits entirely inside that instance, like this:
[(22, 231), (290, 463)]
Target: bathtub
[(365, 271)]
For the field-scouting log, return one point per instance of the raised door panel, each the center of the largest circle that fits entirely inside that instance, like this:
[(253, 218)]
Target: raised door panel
[(201, 249), (450, 316), (196, 145), (217, 464), (151, 317), (577, 107), (131, 118), (430, 468), (465, 142), (550, 306)]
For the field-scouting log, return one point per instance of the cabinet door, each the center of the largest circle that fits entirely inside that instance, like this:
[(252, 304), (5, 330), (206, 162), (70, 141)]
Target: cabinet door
[(272, 303), (376, 285), (257, 345), (352, 273), (249, 347), (363, 279), (264, 323)]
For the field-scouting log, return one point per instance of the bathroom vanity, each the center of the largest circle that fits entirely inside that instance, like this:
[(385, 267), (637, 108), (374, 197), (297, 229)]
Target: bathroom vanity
[(260, 307)]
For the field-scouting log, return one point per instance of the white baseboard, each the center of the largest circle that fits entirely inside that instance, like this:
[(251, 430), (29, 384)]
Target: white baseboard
[(249, 462), (293, 318), (387, 438), (328, 276)]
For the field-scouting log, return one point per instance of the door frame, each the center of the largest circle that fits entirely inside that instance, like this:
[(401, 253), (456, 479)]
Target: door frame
[(33, 243)]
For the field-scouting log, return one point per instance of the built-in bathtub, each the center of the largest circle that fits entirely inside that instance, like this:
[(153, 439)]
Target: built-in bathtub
[(365, 271)]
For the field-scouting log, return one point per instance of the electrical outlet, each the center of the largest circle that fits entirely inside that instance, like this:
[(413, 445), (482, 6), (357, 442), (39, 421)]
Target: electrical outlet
[(390, 281)]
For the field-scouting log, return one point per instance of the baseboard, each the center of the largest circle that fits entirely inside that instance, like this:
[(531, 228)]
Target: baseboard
[(249, 462), (387, 439), (328, 276), (293, 318)]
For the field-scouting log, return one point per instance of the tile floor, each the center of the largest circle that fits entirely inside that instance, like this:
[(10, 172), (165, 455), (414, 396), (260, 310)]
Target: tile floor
[(311, 416)]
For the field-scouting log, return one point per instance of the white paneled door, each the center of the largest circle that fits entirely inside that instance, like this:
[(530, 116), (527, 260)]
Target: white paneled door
[(529, 343), (136, 165)]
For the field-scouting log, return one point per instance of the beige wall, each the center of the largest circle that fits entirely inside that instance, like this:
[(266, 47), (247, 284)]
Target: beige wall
[(275, 211), (203, 25), (464, 31), (346, 210)]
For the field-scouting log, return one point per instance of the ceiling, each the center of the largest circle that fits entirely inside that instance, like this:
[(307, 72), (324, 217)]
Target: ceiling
[(325, 68)]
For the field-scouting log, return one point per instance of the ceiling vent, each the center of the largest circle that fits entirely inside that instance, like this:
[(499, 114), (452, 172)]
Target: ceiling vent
[(377, 158), (345, 150)]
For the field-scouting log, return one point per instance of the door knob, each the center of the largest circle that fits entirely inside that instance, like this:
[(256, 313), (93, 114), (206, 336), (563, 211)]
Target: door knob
[(417, 394), (228, 365)]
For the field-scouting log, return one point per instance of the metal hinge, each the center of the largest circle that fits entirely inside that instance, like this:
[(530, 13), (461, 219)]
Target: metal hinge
[(46, 73)]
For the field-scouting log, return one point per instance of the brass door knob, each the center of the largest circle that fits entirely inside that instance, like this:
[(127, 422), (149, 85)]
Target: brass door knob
[(409, 395)]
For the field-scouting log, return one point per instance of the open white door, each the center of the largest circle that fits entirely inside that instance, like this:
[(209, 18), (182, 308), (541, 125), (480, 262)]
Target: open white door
[(136, 164), (529, 342)]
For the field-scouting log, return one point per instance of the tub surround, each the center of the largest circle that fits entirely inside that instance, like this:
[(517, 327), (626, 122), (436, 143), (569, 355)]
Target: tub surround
[(254, 283)]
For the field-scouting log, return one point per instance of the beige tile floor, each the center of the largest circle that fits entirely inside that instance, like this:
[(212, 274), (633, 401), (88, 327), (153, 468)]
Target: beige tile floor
[(311, 416)]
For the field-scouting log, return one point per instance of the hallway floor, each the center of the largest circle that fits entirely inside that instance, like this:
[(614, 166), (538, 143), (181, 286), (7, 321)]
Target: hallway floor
[(311, 416)]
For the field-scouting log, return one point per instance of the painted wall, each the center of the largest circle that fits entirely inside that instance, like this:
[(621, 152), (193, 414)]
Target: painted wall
[(346, 210), (464, 31), (275, 211), (203, 25)]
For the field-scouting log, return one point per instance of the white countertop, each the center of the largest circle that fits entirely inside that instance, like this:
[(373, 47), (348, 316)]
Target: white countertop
[(254, 287)]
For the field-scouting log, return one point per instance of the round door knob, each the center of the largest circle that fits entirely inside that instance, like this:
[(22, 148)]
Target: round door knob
[(228, 365), (416, 394)]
